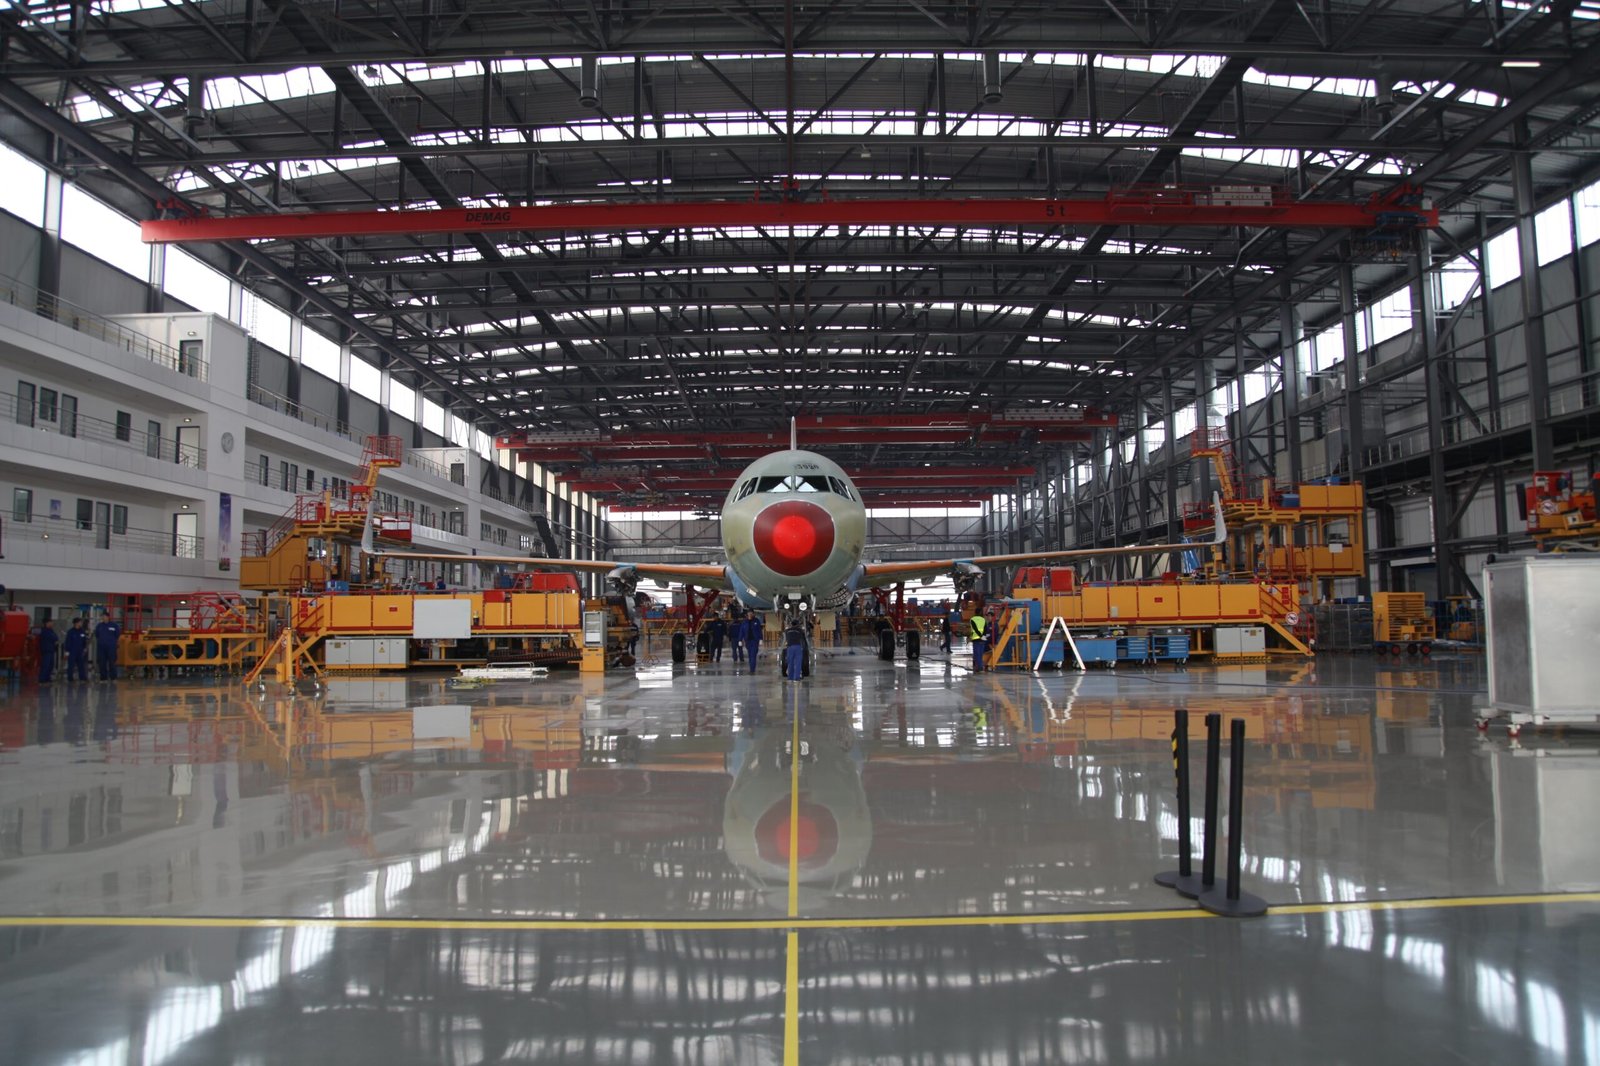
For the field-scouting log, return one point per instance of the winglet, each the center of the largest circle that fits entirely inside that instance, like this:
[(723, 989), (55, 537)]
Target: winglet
[(1222, 527), (366, 528), (794, 435)]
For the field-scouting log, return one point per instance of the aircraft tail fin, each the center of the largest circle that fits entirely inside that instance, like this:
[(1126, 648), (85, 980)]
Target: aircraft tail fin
[(794, 434)]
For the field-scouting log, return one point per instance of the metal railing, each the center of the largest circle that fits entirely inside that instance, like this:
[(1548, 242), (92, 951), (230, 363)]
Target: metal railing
[(1457, 429), (428, 466), (65, 531), (87, 427), (45, 305), (285, 406)]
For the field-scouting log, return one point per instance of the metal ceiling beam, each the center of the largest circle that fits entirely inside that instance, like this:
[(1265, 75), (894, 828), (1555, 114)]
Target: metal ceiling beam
[(1265, 138), (1156, 206), (1361, 52)]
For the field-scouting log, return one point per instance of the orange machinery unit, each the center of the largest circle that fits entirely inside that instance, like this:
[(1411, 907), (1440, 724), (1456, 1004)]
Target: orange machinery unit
[(503, 620), (1401, 621), (1556, 513), (1305, 533), (315, 544), (1199, 606), (185, 631)]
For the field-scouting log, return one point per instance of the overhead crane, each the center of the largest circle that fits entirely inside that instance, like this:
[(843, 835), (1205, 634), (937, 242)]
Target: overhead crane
[(632, 477), (1253, 206)]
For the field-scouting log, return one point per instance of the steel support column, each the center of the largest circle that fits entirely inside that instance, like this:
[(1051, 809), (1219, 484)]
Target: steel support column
[(1289, 361), (1440, 503), (1533, 342)]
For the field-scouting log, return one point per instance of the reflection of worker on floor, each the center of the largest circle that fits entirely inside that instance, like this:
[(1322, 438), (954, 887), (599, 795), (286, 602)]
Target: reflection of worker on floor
[(794, 652)]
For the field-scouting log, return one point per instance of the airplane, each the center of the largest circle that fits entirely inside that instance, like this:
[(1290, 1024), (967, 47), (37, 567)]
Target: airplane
[(793, 533)]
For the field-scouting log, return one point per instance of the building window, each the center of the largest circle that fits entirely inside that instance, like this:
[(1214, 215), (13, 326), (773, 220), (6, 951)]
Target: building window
[(26, 394), (119, 519), (85, 514), (47, 405), (264, 471), (69, 415), (190, 356), (124, 426), (458, 473), (525, 541), (152, 439), (311, 479), (484, 532), (288, 475), (22, 505)]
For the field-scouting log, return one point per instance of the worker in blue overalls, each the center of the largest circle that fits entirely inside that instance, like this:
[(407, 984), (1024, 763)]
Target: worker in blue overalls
[(106, 633), (77, 645), (719, 632), (736, 635), (794, 651), (48, 642), (752, 638), (978, 634)]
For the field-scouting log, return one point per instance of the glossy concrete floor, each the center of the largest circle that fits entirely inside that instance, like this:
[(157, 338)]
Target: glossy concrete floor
[(621, 869)]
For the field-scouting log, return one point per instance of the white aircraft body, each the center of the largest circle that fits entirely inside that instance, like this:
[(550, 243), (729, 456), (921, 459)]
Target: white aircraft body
[(793, 534)]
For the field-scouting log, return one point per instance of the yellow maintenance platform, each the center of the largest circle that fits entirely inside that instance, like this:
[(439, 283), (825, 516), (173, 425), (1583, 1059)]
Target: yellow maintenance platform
[(319, 606), (1307, 534)]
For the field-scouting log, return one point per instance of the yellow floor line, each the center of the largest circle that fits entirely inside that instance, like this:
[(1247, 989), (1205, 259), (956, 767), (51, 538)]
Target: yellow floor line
[(786, 925), (794, 818), (791, 1001), (791, 973)]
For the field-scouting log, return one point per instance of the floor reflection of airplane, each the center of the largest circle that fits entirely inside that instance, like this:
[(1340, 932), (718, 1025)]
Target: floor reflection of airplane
[(833, 834), (793, 532)]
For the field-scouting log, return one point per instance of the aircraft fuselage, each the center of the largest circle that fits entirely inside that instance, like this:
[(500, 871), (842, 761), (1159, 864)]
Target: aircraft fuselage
[(793, 528)]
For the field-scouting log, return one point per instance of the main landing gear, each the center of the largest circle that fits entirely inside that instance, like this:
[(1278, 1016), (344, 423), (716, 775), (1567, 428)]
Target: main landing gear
[(899, 628)]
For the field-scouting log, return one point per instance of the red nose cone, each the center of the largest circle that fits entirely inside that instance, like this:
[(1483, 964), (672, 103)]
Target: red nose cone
[(816, 834), (793, 538)]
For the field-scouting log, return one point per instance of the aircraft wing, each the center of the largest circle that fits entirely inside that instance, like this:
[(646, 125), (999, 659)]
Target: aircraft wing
[(876, 574), (703, 576), (708, 576)]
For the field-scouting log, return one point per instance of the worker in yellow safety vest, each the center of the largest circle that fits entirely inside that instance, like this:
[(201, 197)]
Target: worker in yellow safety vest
[(978, 634)]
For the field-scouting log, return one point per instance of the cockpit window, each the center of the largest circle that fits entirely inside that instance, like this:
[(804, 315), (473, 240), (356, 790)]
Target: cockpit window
[(747, 488), (797, 483)]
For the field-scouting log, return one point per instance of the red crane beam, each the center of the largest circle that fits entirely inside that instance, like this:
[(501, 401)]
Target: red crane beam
[(712, 503), (726, 476), (1226, 206), (702, 485)]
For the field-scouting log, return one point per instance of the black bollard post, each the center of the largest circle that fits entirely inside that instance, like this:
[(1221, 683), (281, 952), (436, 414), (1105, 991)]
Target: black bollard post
[(1192, 886), (1231, 902), (1180, 766)]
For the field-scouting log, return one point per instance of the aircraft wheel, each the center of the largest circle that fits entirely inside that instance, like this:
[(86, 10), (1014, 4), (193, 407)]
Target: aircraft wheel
[(913, 645), (886, 645), (805, 664), (680, 647)]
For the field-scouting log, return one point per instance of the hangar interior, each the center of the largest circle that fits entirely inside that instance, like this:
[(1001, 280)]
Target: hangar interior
[(541, 279)]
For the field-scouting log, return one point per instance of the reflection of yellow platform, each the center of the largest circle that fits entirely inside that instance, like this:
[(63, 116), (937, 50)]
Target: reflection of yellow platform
[(1329, 757), (292, 729)]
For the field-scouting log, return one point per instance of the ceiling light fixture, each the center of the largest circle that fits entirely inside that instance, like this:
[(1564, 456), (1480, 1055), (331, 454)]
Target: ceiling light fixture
[(1527, 64)]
